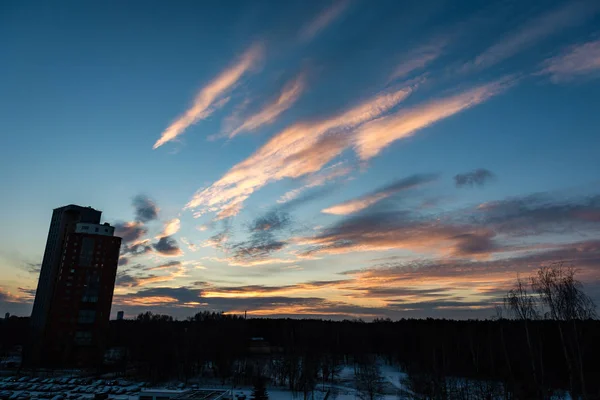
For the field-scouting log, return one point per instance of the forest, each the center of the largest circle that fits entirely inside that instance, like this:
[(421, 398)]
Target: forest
[(544, 339)]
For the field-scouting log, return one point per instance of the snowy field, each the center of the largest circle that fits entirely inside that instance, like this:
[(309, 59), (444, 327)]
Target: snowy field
[(70, 388)]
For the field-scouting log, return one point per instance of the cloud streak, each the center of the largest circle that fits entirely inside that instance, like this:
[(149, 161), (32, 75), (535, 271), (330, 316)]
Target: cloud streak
[(375, 135), (534, 31), (355, 205), (209, 97), (577, 61), (323, 20), (418, 59), (299, 150), (290, 93), (330, 173), (387, 230), (305, 148)]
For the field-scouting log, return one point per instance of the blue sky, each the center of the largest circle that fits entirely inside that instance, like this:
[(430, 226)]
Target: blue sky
[(298, 158)]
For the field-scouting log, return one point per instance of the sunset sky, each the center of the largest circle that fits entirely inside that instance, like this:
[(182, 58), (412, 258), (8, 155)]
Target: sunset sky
[(334, 159)]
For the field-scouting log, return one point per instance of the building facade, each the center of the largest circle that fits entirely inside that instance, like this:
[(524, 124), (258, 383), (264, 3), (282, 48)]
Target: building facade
[(72, 304)]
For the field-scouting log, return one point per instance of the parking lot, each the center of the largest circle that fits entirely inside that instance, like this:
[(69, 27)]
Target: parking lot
[(65, 388)]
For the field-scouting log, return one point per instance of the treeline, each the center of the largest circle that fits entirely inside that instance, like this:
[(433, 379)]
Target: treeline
[(306, 352), (430, 350), (545, 338)]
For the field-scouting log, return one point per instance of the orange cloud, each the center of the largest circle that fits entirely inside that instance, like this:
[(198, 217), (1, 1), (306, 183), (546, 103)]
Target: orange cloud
[(355, 205), (171, 227), (288, 96), (10, 297), (299, 150), (446, 240), (375, 135), (210, 97), (242, 262), (145, 301)]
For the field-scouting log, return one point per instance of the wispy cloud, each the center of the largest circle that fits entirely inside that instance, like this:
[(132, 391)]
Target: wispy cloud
[(323, 19), (171, 227), (355, 205), (191, 246), (469, 233), (418, 59), (218, 240), (209, 97), (129, 279), (253, 262), (534, 31), (319, 179), (576, 61), (387, 230), (168, 265), (299, 150), (137, 248), (268, 114), (375, 135), (9, 297)]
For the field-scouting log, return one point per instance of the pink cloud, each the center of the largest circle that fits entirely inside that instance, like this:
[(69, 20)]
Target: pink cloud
[(299, 150), (289, 95), (375, 135), (210, 97)]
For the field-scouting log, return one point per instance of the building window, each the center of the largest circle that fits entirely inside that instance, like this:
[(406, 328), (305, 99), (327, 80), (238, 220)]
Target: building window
[(83, 337), (87, 252), (89, 298), (86, 316)]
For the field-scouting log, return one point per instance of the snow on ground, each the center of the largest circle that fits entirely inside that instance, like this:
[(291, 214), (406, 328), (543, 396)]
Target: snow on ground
[(70, 388)]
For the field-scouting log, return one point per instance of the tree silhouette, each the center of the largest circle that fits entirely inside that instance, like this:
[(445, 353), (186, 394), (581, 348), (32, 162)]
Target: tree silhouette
[(259, 391)]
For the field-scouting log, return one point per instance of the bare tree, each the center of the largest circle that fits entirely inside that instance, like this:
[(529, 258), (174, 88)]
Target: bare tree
[(519, 303), (562, 294), (523, 306), (565, 302), (369, 382)]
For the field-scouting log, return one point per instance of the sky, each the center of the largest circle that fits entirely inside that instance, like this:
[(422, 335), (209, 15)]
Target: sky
[(330, 159)]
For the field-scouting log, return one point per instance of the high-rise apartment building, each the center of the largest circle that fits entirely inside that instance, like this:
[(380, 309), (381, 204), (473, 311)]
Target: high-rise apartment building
[(74, 295)]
